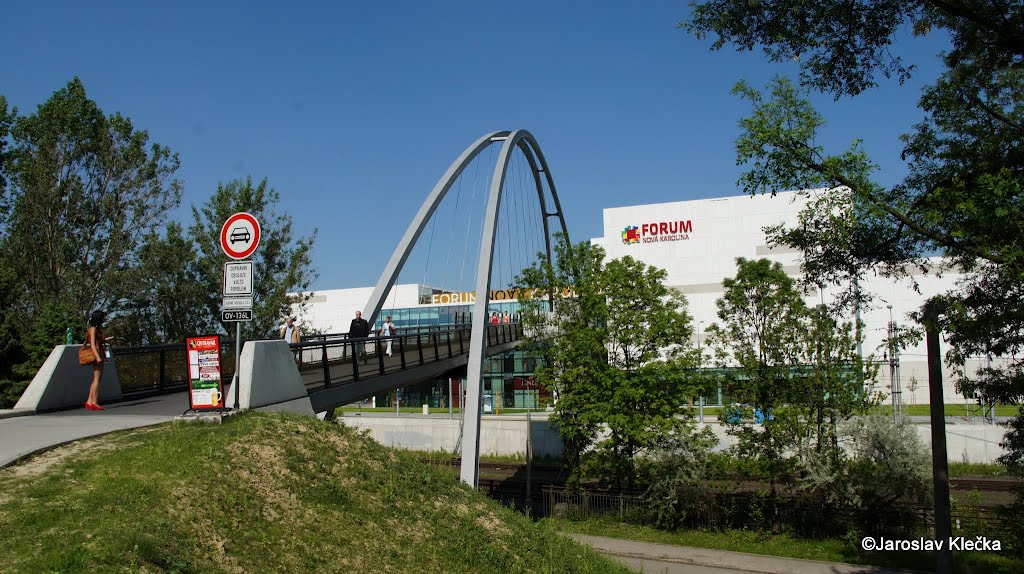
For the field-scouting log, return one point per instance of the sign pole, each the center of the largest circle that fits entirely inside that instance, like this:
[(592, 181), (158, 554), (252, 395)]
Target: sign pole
[(244, 229), (238, 362)]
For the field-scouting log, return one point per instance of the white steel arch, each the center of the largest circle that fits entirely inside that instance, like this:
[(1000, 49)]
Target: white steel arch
[(524, 141)]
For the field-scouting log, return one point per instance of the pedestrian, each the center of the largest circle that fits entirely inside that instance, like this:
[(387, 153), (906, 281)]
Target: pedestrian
[(388, 330), (506, 318), (94, 340), (290, 331), (359, 329), (494, 318)]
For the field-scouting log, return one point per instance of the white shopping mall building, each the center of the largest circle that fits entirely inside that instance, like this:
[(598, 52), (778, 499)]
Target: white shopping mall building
[(697, 243)]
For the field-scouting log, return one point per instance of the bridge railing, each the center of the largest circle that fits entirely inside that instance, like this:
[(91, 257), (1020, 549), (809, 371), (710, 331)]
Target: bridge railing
[(328, 362), (163, 368), (323, 359)]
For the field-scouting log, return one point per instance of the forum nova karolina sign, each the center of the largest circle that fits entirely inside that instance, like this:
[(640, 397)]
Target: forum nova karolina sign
[(657, 232), (496, 295)]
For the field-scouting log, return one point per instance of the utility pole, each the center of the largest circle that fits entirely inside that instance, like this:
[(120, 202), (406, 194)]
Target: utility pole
[(940, 462), (993, 409), (894, 367)]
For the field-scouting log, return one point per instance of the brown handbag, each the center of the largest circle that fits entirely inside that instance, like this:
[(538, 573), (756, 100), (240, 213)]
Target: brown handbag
[(86, 356)]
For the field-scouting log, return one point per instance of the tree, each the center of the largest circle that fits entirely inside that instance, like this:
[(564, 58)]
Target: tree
[(171, 301), (618, 363), (7, 117), (80, 189), (758, 340), (282, 265), (838, 380), (86, 188), (11, 351), (795, 368), (962, 196)]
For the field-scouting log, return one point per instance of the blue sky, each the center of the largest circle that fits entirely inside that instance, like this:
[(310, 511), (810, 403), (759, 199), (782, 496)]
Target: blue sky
[(354, 110)]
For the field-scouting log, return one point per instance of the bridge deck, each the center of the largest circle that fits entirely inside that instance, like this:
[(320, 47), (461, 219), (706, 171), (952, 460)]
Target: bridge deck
[(333, 379)]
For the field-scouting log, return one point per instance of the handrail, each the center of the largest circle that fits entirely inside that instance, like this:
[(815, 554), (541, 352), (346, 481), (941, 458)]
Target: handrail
[(162, 367)]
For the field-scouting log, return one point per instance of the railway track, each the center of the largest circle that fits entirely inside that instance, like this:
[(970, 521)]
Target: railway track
[(542, 473)]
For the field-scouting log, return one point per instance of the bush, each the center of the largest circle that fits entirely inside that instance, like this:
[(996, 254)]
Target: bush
[(678, 475), (878, 481)]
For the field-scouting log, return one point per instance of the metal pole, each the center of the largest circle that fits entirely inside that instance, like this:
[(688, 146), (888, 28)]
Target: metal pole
[(856, 302), (238, 365), (892, 365), (529, 465), (993, 411), (450, 412), (940, 462)]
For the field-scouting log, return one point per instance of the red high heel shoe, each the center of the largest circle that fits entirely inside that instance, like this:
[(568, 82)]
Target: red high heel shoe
[(93, 407)]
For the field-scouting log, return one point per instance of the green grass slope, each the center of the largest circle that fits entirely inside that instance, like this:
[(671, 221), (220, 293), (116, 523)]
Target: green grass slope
[(261, 493)]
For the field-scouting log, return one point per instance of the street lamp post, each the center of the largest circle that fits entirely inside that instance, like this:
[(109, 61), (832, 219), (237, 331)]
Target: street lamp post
[(700, 347)]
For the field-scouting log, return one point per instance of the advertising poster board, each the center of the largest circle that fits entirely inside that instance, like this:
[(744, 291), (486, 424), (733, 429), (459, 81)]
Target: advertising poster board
[(205, 388)]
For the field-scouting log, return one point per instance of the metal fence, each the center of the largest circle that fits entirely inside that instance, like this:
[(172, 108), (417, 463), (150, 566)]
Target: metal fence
[(323, 360), (740, 511), (162, 368), (328, 362)]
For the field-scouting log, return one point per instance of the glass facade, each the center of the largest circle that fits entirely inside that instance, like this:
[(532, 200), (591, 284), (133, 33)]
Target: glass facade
[(427, 316), (508, 381)]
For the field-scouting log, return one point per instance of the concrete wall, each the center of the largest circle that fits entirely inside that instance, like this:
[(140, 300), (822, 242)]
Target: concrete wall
[(61, 382), (270, 381), (506, 435), (499, 435)]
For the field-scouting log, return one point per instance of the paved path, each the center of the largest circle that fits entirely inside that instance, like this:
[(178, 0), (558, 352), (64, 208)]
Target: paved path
[(24, 435), (654, 558)]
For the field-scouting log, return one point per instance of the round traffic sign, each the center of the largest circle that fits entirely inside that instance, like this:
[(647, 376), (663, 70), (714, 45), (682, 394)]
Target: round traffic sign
[(240, 235)]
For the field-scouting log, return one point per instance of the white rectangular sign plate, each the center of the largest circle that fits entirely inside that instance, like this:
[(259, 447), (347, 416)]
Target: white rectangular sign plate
[(238, 279), (237, 303)]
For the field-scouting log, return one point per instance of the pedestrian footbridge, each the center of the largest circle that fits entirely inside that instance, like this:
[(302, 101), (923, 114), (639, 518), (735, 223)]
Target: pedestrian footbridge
[(333, 376), (500, 186), (334, 370)]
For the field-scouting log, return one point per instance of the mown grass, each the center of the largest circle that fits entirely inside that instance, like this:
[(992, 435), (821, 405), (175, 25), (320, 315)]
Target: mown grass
[(261, 493), (433, 410), (960, 469), (952, 410), (754, 542)]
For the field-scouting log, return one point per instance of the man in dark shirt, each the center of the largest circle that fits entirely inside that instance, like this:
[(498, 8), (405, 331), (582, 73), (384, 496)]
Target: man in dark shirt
[(359, 329)]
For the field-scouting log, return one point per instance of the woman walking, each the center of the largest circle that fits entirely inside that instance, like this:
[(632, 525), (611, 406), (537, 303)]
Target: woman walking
[(388, 330), (94, 341)]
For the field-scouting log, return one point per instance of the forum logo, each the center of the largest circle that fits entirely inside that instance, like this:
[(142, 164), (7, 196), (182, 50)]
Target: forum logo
[(657, 232)]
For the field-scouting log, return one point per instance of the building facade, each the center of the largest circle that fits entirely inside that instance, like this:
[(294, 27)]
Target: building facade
[(697, 243)]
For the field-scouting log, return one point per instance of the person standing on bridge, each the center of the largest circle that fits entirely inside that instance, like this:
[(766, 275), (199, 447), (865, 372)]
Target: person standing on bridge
[(388, 331), (290, 332), (359, 329), (94, 340)]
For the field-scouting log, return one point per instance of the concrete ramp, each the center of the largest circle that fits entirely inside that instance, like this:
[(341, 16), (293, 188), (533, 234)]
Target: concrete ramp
[(62, 383), (270, 381)]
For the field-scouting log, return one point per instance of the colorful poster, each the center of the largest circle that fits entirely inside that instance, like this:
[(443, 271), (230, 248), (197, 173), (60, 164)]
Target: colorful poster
[(205, 388)]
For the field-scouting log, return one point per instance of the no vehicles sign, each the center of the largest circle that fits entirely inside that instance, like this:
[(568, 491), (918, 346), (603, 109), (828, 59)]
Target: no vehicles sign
[(240, 235)]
